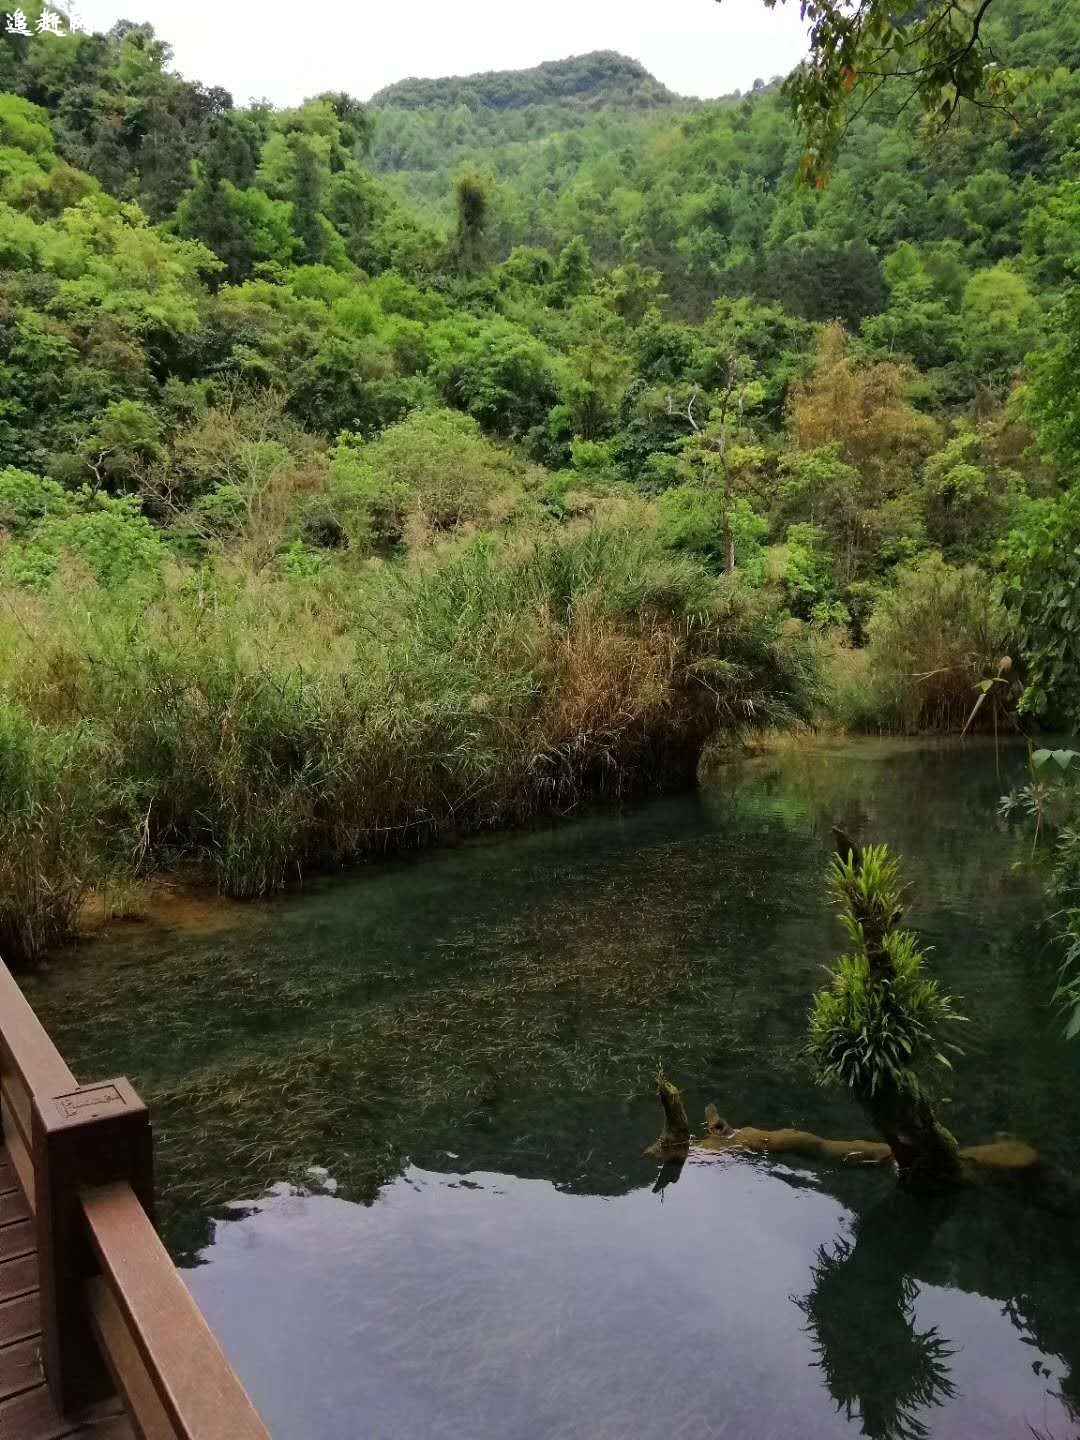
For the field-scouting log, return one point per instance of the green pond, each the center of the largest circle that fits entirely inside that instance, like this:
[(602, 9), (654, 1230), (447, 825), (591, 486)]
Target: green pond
[(400, 1122)]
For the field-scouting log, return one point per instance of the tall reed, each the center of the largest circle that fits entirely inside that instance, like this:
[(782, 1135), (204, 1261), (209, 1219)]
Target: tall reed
[(265, 726)]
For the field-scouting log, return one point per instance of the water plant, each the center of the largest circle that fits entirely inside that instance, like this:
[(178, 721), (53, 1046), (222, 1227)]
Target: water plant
[(1049, 803), (880, 1026), (674, 1142)]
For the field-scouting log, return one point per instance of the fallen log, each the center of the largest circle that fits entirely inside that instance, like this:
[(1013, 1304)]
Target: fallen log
[(1005, 1156), (1002, 1157)]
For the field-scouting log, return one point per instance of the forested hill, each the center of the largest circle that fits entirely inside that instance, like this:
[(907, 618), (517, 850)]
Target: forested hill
[(427, 131), (600, 78), (705, 195)]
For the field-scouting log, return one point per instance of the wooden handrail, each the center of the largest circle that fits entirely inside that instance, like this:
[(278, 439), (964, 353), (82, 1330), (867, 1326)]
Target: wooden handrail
[(25, 1047), (30, 1065), (112, 1302), (153, 1334)]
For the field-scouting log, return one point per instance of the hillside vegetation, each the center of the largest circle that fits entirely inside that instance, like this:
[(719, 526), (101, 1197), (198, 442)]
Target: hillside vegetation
[(602, 78), (342, 510)]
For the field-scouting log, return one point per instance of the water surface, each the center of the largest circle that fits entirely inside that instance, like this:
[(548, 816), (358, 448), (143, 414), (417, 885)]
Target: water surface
[(400, 1123)]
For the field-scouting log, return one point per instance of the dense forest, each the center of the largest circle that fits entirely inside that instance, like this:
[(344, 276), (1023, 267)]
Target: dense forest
[(377, 472)]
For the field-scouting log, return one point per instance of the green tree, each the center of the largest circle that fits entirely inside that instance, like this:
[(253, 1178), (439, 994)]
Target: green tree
[(573, 271), (472, 199), (937, 53), (1043, 591), (1054, 401), (1000, 324), (306, 204)]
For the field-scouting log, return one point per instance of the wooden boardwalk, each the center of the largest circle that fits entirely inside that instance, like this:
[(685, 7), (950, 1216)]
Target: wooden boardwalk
[(26, 1411), (91, 1306)]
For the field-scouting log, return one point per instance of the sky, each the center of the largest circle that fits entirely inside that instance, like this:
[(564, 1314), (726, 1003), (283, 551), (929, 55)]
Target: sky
[(284, 51)]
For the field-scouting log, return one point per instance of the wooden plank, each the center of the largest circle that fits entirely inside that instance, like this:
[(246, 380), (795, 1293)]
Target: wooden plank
[(18, 1151), (18, 1277), (128, 1368), (13, 1208), (30, 1416), (20, 1368), (106, 1427), (199, 1391), (56, 1139), (95, 1135), (20, 1320), (17, 1107), (16, 1240)]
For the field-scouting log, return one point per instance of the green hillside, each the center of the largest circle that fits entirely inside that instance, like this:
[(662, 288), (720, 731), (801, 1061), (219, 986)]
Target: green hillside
[(529, 127), (602, 78)]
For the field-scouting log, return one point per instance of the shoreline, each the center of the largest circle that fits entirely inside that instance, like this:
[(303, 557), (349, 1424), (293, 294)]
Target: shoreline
[(185, 899)]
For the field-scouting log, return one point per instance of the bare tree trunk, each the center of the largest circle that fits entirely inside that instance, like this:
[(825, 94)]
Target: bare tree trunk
[(926, 1154)]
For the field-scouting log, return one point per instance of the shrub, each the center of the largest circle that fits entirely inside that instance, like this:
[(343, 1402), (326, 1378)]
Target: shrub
[(498, 373), (805, 567), (431, 473), (692, 519), (1043, 569), (932, 640), (107, 534), (25, 500)]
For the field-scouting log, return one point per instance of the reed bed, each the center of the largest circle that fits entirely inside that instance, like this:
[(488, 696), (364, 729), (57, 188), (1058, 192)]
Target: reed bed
[(266, 728)]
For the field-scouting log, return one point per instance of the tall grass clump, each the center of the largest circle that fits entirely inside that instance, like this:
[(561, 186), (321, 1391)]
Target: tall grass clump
[(265, 726), (53, 794), (931, 641)]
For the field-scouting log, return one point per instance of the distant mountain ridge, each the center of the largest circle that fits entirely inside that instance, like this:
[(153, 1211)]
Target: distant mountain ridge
[(600, 78)]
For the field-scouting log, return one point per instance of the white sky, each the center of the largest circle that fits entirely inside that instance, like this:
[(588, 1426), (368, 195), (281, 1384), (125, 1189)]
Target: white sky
[(284, 51)]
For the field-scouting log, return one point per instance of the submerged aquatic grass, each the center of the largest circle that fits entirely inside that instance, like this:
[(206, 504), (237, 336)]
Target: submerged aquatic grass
[(509, 1002), (393, 1035)]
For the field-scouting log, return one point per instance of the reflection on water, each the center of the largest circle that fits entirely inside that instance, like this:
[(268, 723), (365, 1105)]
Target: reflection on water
[(492, 1306), (464, 1044), (878, 1365)]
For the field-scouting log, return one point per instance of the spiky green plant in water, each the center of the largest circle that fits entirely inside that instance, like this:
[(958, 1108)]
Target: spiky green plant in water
[(879, 1027)]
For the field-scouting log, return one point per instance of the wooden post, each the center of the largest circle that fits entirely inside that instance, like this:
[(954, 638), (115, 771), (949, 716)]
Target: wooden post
[(91, 1135)]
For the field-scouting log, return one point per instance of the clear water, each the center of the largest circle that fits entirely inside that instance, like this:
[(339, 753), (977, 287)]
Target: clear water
[(463, 1046)]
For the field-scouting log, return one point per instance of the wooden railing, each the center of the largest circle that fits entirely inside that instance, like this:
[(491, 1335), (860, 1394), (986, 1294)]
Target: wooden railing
[(114, 1311)]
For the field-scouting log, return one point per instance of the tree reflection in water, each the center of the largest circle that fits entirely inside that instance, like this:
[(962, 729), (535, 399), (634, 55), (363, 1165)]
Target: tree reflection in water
[(877, 1365)]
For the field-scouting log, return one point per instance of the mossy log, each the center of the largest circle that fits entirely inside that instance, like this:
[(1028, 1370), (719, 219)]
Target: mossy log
[(1006, 1159), (1000, 1157)]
